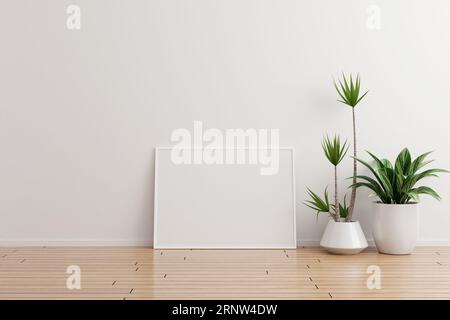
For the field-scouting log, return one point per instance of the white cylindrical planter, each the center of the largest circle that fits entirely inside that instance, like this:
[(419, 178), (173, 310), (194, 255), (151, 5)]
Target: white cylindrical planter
[(343, 238), (395, 227)]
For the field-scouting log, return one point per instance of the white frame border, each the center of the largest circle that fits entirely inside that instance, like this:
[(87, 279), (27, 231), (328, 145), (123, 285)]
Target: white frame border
[(155, 203)]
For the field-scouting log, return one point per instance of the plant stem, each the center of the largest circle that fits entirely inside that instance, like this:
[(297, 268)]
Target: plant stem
[(355, 172), (337, 214)]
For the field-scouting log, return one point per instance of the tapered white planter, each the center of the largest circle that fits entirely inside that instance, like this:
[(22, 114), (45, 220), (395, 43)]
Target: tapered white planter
[(395, 227), (343, 238)]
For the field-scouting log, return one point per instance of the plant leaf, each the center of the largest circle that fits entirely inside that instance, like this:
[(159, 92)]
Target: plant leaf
[(397, 184)]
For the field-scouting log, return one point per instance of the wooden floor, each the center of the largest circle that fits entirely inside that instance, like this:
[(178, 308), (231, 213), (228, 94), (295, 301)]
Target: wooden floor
[(144, 273)]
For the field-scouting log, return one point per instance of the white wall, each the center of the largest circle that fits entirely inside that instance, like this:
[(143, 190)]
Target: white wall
[(80, 111)]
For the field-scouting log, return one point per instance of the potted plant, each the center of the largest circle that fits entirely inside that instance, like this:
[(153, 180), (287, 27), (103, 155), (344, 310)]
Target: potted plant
[(340, 236), (396, 220)]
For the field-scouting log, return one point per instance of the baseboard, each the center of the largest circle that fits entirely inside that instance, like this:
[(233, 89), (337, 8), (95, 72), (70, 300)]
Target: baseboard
[(149, 243), (81, 243), (420, 243), (431, 243)]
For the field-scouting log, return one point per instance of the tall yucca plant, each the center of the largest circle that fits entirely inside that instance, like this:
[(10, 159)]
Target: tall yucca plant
[(334, 152), (349, 91), (396, 183)]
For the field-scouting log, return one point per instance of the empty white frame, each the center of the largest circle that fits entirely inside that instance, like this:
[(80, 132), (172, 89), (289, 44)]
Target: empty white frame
[(224, 205)]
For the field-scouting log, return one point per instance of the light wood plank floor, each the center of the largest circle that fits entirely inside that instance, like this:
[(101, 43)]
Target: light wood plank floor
[(144, 273)]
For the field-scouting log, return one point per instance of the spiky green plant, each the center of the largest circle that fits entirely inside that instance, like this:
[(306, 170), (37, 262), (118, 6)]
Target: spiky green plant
[(343, 208), (318, 204), (349, 91), (334, 152), (396, 183)]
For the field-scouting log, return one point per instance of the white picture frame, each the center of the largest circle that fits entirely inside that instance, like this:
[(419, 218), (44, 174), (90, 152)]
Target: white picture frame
[(172, 229)]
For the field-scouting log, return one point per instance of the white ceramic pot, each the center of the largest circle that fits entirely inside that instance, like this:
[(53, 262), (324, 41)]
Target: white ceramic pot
[(395, 227), (343, 238)]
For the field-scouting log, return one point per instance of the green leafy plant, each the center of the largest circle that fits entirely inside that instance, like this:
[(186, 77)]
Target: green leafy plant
[(334, 152), (349, 91), (333, 149), (343, 208), (396, 183), (318, 204)]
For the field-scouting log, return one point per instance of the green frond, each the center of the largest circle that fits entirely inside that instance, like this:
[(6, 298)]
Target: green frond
[(317, 203), (334, 150), (349, 90), (396, 183)]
